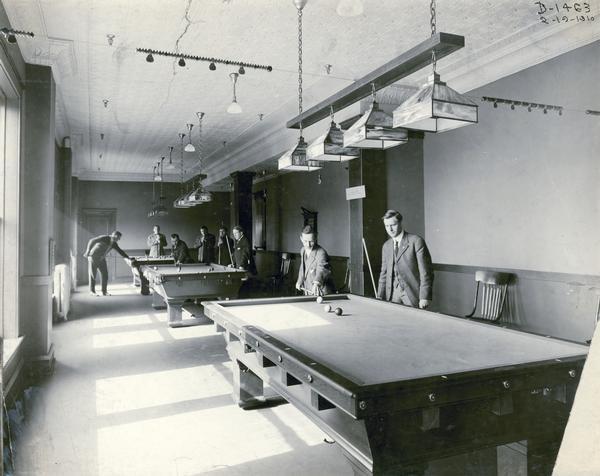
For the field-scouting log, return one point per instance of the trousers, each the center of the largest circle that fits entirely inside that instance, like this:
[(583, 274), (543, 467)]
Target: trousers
[(93, 268)]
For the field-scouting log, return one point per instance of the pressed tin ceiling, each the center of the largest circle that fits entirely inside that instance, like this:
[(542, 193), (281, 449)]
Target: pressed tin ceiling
[(150, 103)]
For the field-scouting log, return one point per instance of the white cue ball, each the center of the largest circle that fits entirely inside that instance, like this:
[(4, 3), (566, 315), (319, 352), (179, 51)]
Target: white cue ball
[(319, 299)]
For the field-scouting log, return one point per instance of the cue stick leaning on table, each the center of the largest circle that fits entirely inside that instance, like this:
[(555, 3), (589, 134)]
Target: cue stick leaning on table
[(229, 248), (370, 269)]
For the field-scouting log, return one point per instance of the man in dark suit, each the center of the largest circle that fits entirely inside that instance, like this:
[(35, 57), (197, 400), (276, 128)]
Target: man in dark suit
[(406, 272), (205, 244), (156, 242), (242, 252), (314, 275), (179, 250), (224, 247), (96, 251)]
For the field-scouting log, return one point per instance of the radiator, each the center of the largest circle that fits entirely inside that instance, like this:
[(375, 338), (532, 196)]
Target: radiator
[(61, 295)]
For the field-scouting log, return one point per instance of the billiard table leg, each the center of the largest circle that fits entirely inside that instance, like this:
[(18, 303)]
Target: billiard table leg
[(158, 302), (541, 456), (249, 391), (144, 285)]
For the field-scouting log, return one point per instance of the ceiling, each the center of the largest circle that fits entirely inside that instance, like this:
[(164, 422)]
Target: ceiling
[(149, 104)]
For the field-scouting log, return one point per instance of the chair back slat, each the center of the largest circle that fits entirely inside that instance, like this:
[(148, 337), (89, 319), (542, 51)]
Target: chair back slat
[(492, 300)]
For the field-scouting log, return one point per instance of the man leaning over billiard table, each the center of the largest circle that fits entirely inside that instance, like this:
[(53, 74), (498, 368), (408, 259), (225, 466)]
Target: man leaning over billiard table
[(179, 250)]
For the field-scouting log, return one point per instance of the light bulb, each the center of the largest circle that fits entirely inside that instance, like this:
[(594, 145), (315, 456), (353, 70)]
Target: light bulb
[(350, 8), (189, 148), (234, 108)]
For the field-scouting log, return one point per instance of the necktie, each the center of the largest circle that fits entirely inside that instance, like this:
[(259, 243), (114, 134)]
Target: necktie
[(396, 246)]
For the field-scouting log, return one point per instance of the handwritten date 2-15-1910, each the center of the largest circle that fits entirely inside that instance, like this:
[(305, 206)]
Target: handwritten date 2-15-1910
[(564, 12)]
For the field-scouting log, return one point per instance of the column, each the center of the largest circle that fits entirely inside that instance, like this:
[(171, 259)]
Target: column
[(365, 218), (37, 217), (241, 202)]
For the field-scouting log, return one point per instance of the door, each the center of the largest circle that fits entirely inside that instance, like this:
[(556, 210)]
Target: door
[(95, 222)]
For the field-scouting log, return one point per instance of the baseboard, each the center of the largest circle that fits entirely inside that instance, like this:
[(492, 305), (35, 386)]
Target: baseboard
[(42, 365)]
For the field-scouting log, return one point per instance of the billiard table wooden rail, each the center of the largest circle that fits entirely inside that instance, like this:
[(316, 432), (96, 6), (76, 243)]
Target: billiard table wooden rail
[(390, 427), (174, 285)]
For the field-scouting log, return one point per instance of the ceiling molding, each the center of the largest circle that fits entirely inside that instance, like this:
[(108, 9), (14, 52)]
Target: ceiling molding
[(528, 47), (101, 176)]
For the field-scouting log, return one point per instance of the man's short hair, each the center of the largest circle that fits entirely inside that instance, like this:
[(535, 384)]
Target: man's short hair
[(204, 227), (308, 230), (174, 235), (223, 228), (156, 226), (392, 214), (117, 233), (238, 228)]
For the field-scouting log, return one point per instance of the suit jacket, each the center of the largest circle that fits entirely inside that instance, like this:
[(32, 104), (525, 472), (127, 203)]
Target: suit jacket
[(315, 268), (100, 246), (413, 265), (181, 253), (206, 248), (242, 255), (157, 243)]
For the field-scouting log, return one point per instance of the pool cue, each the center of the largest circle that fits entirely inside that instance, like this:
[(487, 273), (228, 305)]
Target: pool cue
[(370, 269), (229, 248)]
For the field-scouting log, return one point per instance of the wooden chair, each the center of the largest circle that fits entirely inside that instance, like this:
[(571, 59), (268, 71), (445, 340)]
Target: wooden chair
[(493, 294), (277, 280)]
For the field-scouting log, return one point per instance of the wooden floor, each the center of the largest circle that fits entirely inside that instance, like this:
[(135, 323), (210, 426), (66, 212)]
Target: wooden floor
[(131, 396)]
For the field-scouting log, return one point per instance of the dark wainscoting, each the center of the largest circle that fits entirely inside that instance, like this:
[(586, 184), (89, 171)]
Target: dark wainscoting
[(268, 264), (555, 304)]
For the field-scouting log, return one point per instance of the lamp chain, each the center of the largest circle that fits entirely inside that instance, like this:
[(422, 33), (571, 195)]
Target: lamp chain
[(300, 65), (200, 115), (331, 113), (161, 180), (181, 187), (153, 186), (433, 31)]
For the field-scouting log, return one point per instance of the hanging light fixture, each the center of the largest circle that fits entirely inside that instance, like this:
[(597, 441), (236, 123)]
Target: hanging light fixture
[(158, 175), (151, 212), (189, 147), (374, 130), (330, 146), (170, 164), (435, 107), (180, 201), (234, 107), (199, 196), (295, 159), (161, 210)]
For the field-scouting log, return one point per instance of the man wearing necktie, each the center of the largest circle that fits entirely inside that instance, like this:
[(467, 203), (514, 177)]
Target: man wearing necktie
[(406, 272), (314, 275)]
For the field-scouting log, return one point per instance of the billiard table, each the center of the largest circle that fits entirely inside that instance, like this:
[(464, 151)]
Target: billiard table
[(137, 262), (173, 285), (398, 387)]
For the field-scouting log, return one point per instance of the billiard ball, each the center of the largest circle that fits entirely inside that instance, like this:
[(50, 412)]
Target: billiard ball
[(338, 311), (319, 299), (327, 308)]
